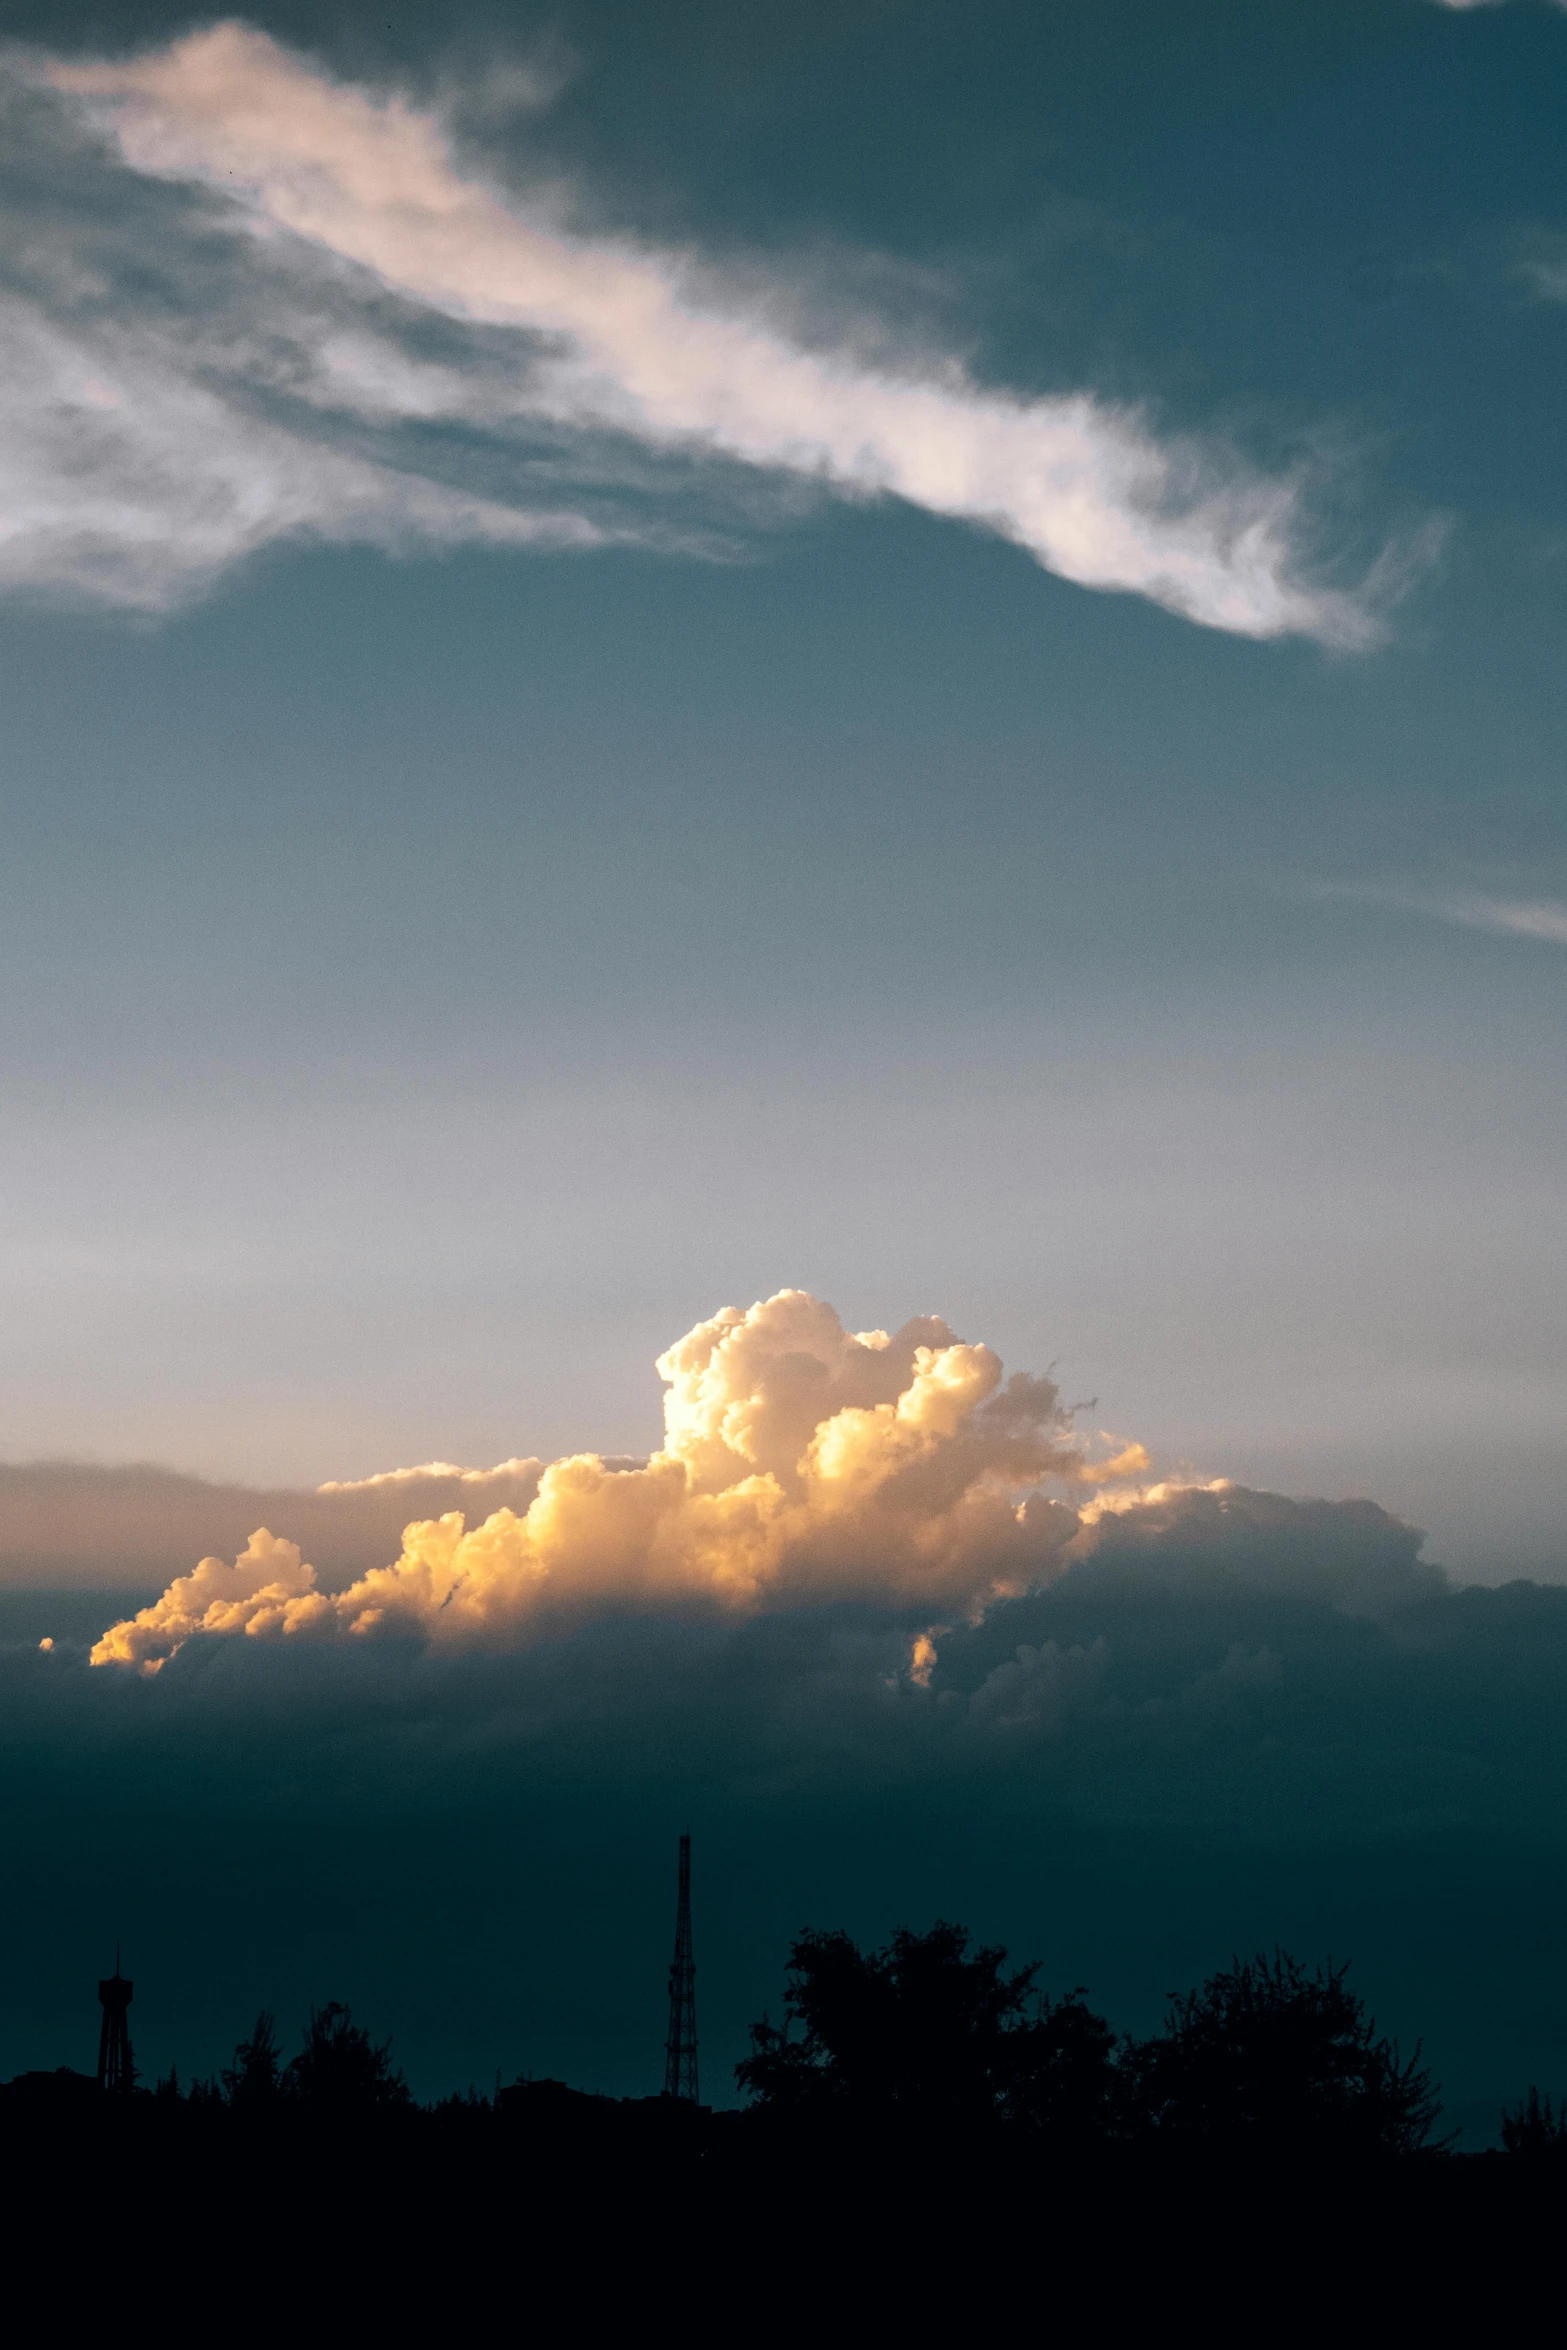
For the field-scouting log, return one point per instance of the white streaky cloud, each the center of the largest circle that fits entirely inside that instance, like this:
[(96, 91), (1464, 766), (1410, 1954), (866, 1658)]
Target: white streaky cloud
[(802, 1464), (1544, 919), (1540, 918), (182, 387), (509, 1472), (123, 477), (616, 341), (1544, 269)]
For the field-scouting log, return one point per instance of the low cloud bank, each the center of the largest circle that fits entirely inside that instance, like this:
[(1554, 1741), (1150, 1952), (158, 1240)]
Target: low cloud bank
[(1130, 1773), (71, 1525), (1350, 1554), (802, 1465), (337, 328)]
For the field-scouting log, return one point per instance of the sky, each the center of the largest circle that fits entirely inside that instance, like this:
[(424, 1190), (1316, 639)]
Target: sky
[(901, 658)]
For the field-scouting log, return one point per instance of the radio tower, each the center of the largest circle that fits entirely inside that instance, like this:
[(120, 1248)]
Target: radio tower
[(116, 2065), (680, 2047)]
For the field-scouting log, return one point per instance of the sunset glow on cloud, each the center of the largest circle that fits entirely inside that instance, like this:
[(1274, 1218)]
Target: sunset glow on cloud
[(802, 1463), (661, 657)]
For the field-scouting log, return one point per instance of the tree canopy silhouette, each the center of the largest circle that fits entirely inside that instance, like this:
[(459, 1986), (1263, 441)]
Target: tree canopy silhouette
[(253, 2078), (1535, 2128), (931, 2029), (1265, 2056), (340, 2068), (1266, 2052)]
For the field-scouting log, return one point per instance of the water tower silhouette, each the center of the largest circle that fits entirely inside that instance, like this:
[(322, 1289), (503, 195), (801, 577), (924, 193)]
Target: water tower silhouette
[(116, 2065)]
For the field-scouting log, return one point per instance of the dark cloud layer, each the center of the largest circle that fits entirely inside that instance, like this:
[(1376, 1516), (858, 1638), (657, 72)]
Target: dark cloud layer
[(1158, 1759)]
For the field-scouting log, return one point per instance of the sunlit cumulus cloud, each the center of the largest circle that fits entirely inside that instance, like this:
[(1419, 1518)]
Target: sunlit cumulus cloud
[(799, 1461), (341, 207), (802, 1464)]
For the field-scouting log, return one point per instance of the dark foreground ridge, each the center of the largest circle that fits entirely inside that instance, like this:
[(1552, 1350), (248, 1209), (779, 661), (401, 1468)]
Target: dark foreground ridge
[(908, 2097)]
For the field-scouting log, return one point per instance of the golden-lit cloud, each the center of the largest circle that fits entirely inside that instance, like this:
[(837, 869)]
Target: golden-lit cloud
[(801, 1462), (269, 1588)]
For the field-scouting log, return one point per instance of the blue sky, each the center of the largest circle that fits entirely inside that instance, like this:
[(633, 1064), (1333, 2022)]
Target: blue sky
[(434, 981), (922, 660)]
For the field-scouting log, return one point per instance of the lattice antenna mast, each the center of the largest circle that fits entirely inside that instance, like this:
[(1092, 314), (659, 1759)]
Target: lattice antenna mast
[(680, 2047), (116, 2065)]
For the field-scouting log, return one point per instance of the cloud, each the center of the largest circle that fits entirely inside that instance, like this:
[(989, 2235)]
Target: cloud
[(1127, 1776), (1218, 1718), (800, 1462), (1541, 918), (1352, 1555), (1544, 919), (73, 1525), (124, 476), (802, 1465), (353, 337), (178, 395), (1039, 1689)]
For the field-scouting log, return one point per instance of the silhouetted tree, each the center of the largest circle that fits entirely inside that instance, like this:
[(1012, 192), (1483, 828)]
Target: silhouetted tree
[(928, 2028), (1070, 2087), (341, 2069), (1533, 2128), (1266, 2055), (253, 2078)]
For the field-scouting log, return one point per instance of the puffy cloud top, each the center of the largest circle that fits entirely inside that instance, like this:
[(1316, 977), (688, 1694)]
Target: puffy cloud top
[(802, 1463)]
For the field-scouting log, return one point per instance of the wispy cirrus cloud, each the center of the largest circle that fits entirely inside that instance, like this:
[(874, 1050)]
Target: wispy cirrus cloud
[(1542, 918), (180, 391), (1539, 918), (331, 326), (1541, 264)]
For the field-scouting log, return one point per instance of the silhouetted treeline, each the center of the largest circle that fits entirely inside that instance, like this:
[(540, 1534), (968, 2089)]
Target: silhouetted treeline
[(930, 2033), (930, 2044)]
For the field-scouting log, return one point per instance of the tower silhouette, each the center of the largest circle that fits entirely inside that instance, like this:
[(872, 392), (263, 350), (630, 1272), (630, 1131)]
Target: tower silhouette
[(116, 2065), (680, 2047)]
